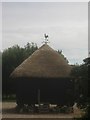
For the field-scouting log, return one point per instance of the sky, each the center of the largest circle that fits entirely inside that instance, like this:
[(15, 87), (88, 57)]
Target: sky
[(66, 24)]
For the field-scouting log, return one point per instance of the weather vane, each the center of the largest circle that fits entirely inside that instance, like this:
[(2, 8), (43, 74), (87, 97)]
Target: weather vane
[(46, 38)]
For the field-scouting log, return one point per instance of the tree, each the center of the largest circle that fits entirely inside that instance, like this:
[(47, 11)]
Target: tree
[(80, 73), (11, 58), (29, 49), (87, 107)]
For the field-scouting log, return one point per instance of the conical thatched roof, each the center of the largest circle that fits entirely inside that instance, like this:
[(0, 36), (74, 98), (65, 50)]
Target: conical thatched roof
[(44, 62)]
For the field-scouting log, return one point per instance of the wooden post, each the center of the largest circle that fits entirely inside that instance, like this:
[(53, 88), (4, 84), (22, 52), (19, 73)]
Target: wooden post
[(39, 97)]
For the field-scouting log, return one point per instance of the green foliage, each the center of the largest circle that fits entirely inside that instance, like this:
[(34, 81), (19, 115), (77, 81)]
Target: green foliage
[(82, 89), (11, 58), (80, 71), (30, 48)]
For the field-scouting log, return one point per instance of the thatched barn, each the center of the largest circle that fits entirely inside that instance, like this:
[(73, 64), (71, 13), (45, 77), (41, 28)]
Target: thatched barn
[(43, 77)]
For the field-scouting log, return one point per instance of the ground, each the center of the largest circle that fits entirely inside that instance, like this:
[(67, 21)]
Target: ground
[(8, 111)]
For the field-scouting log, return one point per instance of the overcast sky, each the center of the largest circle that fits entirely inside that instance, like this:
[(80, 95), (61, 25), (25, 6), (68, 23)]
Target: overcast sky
[(66, 24)]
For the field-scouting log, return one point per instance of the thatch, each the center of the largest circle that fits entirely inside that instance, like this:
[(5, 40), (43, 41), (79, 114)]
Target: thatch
[(44, 62)]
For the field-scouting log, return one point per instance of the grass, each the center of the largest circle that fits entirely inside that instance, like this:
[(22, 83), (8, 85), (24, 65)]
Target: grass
[(9, 98)]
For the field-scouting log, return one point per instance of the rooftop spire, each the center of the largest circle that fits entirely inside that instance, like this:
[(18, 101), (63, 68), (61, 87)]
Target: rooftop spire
[(46, 38)]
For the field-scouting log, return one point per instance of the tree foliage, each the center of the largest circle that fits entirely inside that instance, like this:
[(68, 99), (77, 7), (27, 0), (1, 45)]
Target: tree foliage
[(11, 58), (83, 72), (80, 73)]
